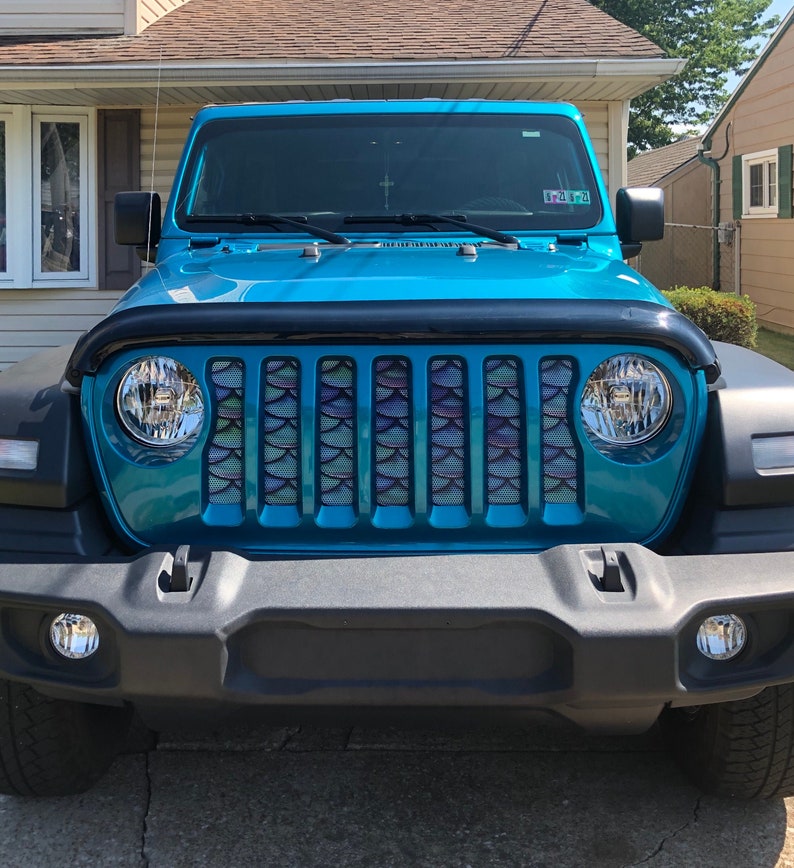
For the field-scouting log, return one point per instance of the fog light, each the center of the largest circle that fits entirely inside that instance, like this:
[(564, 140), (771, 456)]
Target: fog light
[(74, 636), (721, 637)]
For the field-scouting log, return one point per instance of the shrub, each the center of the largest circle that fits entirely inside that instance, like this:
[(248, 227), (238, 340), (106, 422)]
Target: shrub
[(722, 316)]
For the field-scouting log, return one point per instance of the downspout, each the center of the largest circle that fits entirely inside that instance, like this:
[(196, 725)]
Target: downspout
[(713, 163)]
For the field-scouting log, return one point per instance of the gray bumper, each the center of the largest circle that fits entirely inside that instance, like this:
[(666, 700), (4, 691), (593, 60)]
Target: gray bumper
[(498, 632)]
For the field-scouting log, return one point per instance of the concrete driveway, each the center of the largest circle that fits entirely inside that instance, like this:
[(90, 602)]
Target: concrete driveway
[(544, 796)]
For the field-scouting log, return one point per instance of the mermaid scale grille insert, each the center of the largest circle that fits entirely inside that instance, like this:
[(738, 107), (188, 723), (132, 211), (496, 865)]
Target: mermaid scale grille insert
[(393, 452), (560, 457), (504, 431), (281, 432), (336, 421), (225, 482), (448, 442), (448, 432)]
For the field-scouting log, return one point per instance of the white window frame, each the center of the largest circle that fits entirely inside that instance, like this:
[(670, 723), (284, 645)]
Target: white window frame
[(765, 159), (17, 196), (6, 118), (23, 193)]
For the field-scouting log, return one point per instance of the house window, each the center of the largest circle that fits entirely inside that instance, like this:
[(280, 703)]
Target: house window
[(760, 184), (59, 176), (47, 167)]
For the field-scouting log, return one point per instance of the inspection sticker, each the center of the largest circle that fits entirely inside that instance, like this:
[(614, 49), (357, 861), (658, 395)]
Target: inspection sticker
[(566, 197)]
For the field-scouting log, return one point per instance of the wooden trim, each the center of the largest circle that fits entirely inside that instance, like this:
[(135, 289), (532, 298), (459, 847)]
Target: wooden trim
[(736, 186), (784, 172)]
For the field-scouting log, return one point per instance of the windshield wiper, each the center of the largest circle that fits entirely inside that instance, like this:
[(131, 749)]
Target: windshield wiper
[(428, 219), (269, 220)]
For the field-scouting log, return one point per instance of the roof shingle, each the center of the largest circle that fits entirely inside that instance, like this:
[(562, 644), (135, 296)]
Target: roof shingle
[(349, 30), (650, 167)]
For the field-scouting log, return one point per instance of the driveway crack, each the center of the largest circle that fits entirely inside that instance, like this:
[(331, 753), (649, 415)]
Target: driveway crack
[(147, 807), (661, 845)]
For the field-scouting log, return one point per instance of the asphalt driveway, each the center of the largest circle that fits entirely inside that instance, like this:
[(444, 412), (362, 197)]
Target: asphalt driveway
[(545, 796)]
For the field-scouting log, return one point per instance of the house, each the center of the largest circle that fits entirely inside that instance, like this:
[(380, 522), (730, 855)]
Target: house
[(97, 97), (685, 255), (749, 149)]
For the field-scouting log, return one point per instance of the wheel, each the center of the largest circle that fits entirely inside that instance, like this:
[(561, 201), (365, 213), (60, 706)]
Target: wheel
[(52, 747), (742, 749)]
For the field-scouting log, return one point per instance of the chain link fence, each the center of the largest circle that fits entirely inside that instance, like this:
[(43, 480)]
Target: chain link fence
[(685, 257)]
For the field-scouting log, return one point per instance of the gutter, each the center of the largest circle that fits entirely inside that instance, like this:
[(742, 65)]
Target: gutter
[(715, 213), (64, 76), (713, 163)]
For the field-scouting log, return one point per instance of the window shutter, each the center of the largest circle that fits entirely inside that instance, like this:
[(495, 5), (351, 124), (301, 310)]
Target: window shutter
[(784, 208), (736, 183)]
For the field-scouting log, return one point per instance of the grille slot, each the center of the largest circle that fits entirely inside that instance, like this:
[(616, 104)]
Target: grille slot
[(560, 460), (225, 478), (448, 433), (337, 433), (505, 432), (281, 432), (393, 457)]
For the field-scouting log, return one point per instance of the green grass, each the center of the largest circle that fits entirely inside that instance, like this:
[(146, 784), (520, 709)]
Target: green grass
[(776, 346)]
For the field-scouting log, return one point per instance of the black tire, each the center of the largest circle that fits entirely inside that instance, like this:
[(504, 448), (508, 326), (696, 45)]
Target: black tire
[(51, 747), (742, 750)]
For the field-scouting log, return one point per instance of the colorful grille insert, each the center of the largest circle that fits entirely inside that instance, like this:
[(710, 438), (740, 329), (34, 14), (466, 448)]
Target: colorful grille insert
[(560, 463), (393, 433), (420, 420), (504, 432), (281, 432), (225, 453), (448, 433), (337, 432)]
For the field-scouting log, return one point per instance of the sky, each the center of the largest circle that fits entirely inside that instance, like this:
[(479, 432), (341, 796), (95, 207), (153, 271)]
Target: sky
[(778, 7)]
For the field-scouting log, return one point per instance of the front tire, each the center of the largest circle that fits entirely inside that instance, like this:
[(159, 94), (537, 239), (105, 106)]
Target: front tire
[(742, 749), (52, 747)]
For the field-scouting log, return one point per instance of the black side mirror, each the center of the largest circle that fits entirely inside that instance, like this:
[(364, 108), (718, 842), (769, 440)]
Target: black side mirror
[(639, 215), (137, 221)]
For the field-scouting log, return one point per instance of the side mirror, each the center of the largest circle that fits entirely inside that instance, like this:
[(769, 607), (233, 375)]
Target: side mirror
[(639, 215), (137, 222)]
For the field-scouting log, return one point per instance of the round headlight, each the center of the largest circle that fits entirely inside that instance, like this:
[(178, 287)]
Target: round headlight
[(159, 402), (626, 400)]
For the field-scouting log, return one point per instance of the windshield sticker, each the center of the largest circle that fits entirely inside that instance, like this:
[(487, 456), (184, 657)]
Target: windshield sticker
[(566, 197)]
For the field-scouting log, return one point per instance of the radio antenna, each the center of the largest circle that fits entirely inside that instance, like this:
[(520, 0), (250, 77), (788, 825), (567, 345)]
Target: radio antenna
[(154, 154)]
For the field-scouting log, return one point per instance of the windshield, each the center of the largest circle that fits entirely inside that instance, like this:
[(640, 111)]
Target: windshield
[(504, 171)]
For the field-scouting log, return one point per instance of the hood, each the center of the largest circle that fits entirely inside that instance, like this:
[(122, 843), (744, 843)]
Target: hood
[(367, 272)]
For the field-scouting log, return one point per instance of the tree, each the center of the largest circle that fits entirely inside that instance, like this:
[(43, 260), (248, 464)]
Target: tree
[(716, 37)]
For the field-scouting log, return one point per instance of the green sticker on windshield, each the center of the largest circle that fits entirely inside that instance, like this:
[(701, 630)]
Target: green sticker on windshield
[(566, 197)]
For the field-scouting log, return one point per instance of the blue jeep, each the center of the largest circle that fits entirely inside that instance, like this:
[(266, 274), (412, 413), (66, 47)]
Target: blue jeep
[(390, 426)]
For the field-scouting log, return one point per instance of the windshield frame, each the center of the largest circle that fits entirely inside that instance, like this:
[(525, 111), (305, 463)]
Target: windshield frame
[(514, 116)]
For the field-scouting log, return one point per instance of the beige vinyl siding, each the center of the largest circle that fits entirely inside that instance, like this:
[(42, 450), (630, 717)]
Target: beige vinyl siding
[(149, 11), (33, 17), (762, 119), (596, 117), (173, 124), (33, 319), (67, 17)]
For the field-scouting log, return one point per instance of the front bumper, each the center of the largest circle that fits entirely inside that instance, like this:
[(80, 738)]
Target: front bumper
[(497, 632)]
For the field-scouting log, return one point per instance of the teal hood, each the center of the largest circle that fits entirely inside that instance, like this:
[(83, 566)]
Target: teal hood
[(371, 272)]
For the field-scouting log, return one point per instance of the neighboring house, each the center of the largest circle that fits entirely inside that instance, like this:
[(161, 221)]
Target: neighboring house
[(685, 255), (750, 146), (94, 102)]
